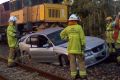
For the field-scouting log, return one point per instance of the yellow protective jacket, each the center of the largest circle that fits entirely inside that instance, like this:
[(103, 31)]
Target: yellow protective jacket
[(109, 33), (76, 38), (11, 33)]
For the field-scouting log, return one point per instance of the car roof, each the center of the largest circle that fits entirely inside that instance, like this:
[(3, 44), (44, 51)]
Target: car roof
[(50, 30), (47, 31)]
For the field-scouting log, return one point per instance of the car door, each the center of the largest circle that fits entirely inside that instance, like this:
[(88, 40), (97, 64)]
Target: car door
[(40, 49)]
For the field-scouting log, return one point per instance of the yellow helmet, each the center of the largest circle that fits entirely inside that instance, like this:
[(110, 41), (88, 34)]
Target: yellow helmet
[(108, 18)]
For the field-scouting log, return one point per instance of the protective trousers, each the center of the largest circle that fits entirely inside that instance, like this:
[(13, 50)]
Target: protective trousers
[(11, 56), (111, 47), (117, 46), (110, 41), (81, 65)]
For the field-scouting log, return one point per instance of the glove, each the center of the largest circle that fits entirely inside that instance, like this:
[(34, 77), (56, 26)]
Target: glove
[(17, 36)]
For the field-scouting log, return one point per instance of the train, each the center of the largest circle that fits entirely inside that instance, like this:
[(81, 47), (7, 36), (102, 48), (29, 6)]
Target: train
[(4, 16), (33, 13)]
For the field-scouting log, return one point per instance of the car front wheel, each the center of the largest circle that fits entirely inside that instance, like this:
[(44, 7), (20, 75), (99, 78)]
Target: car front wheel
[(63, 60), (25, 58)]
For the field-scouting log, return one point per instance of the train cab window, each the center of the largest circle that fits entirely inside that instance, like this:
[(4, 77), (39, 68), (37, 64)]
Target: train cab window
[(6, 7), (48, 1), (57, 1), (18, 4), (12, 5), (27, 3), (36, 2)]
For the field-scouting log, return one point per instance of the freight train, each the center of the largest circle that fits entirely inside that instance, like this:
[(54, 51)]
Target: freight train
[(33, 13), (4, 16)]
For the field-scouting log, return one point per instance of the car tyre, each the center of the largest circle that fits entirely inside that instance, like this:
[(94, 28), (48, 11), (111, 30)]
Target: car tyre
[(64, 60), (25, 58)]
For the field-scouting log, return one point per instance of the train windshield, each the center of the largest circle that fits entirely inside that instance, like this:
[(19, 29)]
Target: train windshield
[(15, 5), (19, 4), (35, 2)]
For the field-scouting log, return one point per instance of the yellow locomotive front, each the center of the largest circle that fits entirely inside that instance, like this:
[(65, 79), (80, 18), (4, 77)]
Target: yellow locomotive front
[(16, 7), (37, 11), (49, 13)]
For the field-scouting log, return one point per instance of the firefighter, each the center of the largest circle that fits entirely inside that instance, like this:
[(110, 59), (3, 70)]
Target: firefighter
[(12, 40), (117, 36), (74, 34), (109, 34)]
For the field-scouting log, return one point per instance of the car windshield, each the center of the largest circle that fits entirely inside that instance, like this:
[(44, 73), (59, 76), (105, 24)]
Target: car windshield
[(55, 38)]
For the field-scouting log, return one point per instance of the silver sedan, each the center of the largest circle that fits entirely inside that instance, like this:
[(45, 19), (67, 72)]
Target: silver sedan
[(47, 46)]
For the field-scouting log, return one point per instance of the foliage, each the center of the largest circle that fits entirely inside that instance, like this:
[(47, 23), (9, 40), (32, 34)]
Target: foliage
[(92, 14)]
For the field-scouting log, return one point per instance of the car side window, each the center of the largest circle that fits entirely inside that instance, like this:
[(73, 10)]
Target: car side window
[(42, 41), (32, 40), (38, 41)]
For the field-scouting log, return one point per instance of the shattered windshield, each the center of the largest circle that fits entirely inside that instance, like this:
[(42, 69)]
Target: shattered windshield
[(55, 38)]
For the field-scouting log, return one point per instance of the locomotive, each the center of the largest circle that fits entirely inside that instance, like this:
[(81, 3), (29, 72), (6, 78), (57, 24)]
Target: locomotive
[(33, 13)]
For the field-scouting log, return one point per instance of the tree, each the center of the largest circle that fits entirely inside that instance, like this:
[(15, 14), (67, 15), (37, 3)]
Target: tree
[(93, 14)]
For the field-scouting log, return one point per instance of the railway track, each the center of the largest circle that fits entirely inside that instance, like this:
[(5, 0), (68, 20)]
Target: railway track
[(41, 73), (3, 78)]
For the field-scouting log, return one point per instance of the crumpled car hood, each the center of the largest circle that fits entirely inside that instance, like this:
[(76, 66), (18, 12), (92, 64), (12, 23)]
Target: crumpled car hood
[(91, 42)]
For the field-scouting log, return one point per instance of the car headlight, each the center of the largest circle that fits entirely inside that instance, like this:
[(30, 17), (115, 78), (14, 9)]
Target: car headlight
[(88, 53)]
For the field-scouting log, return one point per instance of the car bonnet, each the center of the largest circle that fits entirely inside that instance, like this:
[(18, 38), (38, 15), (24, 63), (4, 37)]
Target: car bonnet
[(91, 42)]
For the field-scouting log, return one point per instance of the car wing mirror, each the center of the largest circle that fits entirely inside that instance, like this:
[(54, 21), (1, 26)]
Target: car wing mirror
[(48, 45)]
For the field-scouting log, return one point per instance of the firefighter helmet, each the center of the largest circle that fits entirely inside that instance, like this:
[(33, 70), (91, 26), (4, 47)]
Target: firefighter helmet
[(73, 17), (108, 18), (12, 19)]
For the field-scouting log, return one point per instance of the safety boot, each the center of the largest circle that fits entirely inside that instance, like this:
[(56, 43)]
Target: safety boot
[(12, 64), (113, 50), (83, 77)]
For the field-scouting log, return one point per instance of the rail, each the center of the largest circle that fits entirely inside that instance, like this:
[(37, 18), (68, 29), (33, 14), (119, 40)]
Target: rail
[(2, 78), (32, 69)]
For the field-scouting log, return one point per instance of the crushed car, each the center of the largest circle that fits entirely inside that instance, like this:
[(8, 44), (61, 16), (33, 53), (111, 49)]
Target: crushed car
[(47, 46)]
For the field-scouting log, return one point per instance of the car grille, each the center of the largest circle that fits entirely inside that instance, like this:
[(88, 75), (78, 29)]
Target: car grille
[(101, 57), (98, 48)]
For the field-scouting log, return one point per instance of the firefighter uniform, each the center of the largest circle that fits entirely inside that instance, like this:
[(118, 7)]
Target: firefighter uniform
[(109, 34), (117, 42), (76, 43), (12, 41)]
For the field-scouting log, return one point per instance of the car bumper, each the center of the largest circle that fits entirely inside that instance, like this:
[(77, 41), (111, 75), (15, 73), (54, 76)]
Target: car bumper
[(96, 58)]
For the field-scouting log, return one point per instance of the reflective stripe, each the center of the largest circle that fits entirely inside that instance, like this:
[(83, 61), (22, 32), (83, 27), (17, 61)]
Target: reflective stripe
[(73, 74), (10, 60), (109, 30), (118, 58), (83, 73)]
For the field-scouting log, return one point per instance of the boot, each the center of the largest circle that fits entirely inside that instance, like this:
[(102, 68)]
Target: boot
[(11, 64), (113, 50), (83, 77)]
